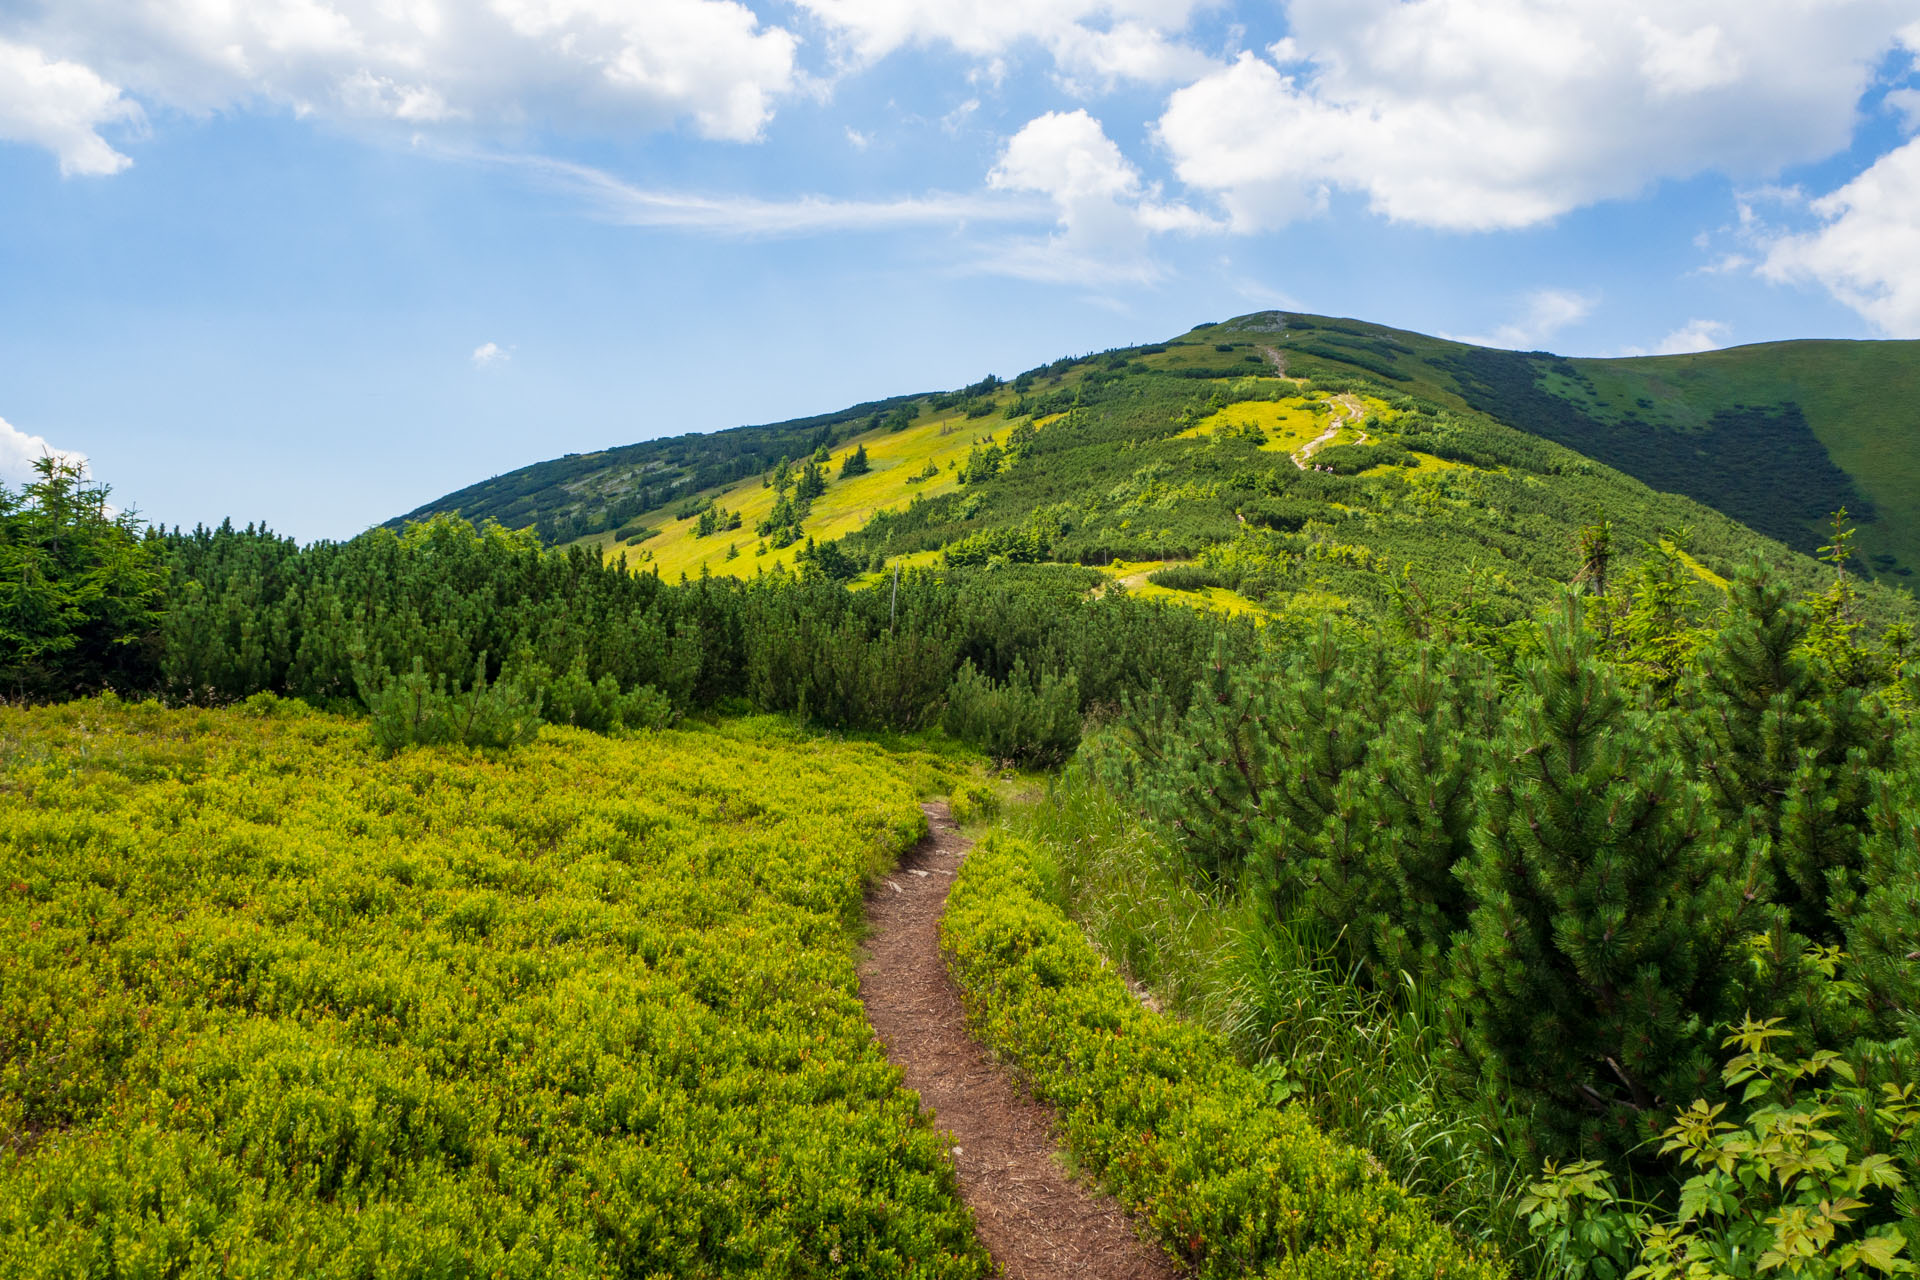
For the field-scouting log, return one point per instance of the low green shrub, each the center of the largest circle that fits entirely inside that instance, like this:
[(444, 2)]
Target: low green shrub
[(272, 1004), (1028, 720), (1181, 1134), (1183, 577), (417, 710), (973, 800)]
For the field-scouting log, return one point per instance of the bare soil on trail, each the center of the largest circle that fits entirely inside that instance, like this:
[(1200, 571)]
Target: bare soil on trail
[(1036, 1220), (1346, 409)]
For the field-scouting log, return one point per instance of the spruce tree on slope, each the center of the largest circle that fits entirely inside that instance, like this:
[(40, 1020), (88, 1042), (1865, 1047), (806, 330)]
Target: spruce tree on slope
[(1404, 820), (1595, 969), (1883, 919), (1307, 841), (1786, 750)]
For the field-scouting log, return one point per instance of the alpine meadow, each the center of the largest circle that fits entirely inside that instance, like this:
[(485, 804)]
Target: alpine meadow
[(1434, 811)]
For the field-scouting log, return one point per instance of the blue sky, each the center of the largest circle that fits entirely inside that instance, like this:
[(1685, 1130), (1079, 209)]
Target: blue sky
[(314, 262)]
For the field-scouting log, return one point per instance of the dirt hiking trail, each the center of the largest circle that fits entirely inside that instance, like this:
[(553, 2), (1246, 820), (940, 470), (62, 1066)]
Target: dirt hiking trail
[(1036, 1221), (1346, 409)]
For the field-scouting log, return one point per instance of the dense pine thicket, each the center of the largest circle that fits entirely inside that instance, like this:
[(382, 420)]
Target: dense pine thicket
[(80, 594), (1637, 834), (450, 632)]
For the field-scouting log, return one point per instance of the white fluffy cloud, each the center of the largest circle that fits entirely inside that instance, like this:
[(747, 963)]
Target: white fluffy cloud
[(1906, 104), (1106, 212), (1694, 335), (1866, 252), (876, 28), (19, 451), (61, 106), (489, 353), (1547, 312), (609, 63), (1482, 114)]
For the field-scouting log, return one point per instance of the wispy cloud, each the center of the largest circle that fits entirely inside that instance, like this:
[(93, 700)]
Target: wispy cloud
[(627, 204), (490, 353), (1547, 312), (1694, 335)]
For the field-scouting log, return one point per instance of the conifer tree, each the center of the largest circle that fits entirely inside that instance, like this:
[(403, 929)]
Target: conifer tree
[(1597, 960), (856, 463), (1204, 774), (1404, 821), (1656, 635), (1786, 749), (79, 588), (1308, 841), (1883, 919)]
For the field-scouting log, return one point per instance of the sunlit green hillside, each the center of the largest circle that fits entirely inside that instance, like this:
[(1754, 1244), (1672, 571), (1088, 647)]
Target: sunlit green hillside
[(1776, 435), (1318, 460)]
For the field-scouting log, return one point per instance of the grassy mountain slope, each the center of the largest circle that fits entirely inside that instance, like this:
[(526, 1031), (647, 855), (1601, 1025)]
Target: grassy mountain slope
[(1777, 435), (1299, 461), (582, 493)]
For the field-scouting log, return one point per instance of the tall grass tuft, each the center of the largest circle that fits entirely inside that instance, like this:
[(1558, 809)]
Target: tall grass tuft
[(1364, 1063)]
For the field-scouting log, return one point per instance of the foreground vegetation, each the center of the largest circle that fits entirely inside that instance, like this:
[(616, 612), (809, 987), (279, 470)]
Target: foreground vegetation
[(1183, 1136), (1612, 955), (275, 1005)]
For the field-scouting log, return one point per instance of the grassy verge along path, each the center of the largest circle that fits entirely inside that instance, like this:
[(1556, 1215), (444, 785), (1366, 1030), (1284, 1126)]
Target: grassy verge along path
[(1157, 1109), (1037, 1222)]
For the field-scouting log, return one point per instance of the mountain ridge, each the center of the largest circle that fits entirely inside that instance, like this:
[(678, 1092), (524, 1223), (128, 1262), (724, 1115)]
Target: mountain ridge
[(1775, 436)]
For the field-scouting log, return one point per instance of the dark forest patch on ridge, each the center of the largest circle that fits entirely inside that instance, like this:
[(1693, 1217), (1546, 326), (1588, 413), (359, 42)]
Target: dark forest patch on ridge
[(1761, 464)]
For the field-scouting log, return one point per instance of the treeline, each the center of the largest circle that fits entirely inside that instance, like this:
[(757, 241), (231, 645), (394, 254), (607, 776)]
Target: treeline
[(1656, 867), (447, 624)]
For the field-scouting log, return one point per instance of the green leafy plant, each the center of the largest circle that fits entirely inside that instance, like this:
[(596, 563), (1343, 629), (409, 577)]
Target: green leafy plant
[(1774, 1188)]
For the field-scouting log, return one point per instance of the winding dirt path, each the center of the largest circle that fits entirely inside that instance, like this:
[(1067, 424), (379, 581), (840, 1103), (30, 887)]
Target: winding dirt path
[(1346, 409), (1036, 1221)]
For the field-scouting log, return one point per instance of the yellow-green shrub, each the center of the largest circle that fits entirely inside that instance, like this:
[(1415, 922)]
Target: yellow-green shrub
[(1181, 1134), (271, 1005), (973, 799)]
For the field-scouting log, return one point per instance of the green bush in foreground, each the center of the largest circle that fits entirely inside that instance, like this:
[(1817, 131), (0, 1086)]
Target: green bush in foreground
[(1811, 1176), (273, 1005), (1182, 1135)]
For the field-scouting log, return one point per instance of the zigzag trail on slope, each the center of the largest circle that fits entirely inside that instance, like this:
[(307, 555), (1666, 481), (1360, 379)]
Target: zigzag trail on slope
[(1036, 1221), (1355, 412)]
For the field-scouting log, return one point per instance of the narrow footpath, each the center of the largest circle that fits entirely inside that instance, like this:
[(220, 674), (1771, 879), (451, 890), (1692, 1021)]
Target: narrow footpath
[(1036, 1221)]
